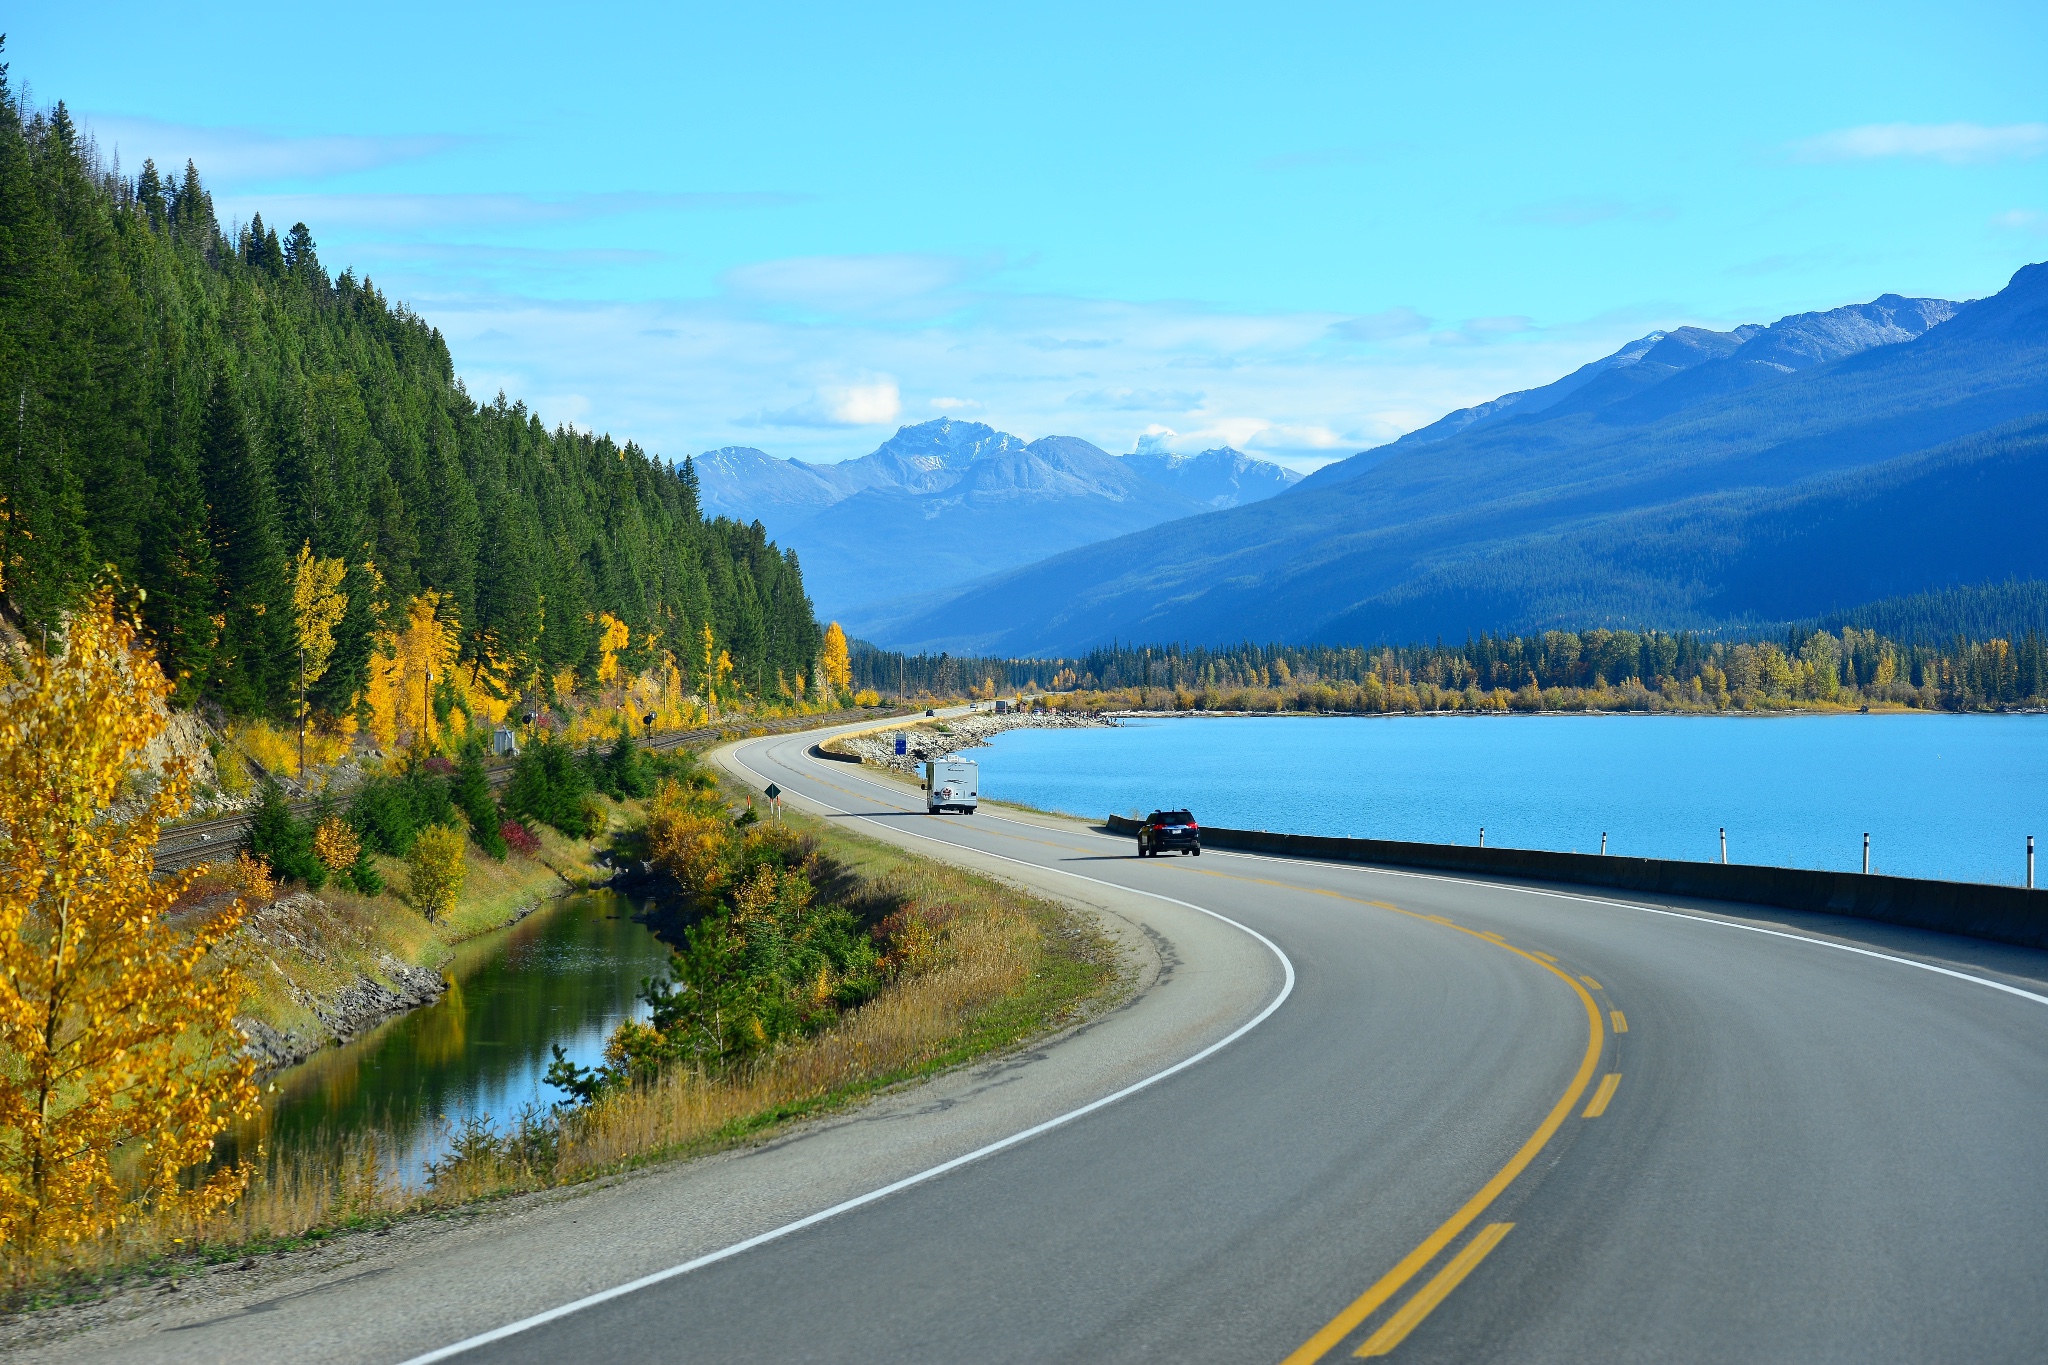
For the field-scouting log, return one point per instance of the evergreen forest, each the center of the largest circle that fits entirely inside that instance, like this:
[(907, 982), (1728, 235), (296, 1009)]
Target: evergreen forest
[(196, 405)]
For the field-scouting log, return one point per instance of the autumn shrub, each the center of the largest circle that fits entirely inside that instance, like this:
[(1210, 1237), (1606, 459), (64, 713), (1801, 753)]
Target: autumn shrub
[(271, 750), (336, 845), (116, 1026), (252, 876), (519, 839), (436, 869)]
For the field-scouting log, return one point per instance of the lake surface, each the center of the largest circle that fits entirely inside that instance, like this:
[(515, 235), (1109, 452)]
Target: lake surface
[(1942, 796), (565, 974)]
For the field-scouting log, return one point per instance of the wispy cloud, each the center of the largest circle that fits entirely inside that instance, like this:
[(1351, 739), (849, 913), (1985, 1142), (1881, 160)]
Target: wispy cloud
[(2033, 222), (249, 156), (1135, 400), (1394, 322), (887, 285), (401, 214), (1958, 144), (745, 365)]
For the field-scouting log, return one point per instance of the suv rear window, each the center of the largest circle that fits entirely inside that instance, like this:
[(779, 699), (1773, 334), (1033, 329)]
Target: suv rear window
[(1173, 817)]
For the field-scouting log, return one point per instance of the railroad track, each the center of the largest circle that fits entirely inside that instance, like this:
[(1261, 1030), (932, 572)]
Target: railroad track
[(205, 841)]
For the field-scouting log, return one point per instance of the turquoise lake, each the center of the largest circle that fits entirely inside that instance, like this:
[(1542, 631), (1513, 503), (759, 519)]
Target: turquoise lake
[(1952, 797)]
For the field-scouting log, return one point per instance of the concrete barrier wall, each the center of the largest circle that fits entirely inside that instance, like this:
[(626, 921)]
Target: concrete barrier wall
[(2002, 914), (819, 751)]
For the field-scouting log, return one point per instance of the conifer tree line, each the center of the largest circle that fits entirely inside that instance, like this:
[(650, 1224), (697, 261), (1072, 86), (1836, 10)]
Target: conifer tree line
[(193, 406), (1554, 670)]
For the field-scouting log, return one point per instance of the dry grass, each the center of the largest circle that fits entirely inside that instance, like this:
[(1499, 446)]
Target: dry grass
[(1011, 967)]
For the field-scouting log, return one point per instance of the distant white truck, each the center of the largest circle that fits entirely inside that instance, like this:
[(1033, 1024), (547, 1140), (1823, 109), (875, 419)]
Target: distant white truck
[(951, 784)]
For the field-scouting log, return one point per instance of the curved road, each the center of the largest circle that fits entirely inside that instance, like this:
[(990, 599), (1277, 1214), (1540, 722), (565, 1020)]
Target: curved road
[(1817, 1148)]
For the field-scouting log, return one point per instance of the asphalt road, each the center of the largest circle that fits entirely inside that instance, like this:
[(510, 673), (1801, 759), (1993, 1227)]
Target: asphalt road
[(1818, 1149)]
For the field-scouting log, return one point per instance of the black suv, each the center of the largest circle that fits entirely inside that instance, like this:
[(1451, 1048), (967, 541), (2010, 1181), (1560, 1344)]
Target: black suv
[(1166, 831)]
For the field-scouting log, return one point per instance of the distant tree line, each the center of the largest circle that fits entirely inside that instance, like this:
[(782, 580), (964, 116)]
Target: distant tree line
[(1557, 670), (192, 405)]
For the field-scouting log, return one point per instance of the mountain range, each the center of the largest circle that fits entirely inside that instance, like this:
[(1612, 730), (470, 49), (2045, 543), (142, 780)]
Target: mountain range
[(944, 503), (1692, 479)]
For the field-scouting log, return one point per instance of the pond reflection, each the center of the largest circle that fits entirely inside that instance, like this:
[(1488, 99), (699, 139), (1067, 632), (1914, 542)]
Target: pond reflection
[(566, 974)]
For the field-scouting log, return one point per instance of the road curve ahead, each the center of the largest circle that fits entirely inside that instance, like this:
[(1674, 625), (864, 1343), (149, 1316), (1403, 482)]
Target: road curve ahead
[(1488, 1122)]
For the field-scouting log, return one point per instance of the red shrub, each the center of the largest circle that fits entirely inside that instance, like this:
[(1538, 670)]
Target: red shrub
[(519, 838)]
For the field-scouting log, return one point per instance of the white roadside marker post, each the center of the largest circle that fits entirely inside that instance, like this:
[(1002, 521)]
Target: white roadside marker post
[(1724, 844)]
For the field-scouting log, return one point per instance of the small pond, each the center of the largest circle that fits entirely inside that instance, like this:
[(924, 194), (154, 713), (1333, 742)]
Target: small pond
[(565, 974)]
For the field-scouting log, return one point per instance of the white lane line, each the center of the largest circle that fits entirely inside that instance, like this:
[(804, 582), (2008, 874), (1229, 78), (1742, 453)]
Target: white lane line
[(512, 1329), (1666, 913)]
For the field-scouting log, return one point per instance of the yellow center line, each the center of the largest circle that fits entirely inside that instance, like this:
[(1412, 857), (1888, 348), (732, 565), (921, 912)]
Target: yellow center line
[(1620, 1021), (1591, 982), (1602, 1095), (1390, 1284), (1409, 1315)]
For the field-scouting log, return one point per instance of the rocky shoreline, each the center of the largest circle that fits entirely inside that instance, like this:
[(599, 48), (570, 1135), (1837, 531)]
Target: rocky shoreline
[(954, 734)]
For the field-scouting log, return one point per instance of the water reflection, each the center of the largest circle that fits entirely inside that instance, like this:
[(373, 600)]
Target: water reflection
[(566, 974)]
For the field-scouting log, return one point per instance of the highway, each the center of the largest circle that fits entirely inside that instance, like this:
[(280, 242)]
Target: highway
[(1809, 1154), (1344, 1112)]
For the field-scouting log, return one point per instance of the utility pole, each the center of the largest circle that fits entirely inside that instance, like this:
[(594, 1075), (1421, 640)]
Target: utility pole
[(426, 708)]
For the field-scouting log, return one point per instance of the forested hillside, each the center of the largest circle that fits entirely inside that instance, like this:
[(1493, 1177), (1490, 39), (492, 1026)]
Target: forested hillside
[(195, 403)]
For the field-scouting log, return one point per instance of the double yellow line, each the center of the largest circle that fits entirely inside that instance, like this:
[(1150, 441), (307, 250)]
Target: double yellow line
[(1418, 1307)]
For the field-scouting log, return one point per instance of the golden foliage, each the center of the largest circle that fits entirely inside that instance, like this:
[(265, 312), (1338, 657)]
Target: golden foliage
[(318, 604), (687, 843), (437, 867), (832, 658), (336, 845), (867, 696), (403, 666), (253, 876), (613, 636), (116, 1028)]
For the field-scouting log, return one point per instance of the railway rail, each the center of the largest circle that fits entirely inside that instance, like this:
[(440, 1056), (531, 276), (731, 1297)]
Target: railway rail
[(205, 841)]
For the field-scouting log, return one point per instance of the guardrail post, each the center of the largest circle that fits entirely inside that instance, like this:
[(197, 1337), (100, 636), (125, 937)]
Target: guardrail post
[(2030, 862), (1866, 853), (1603, 843), (1482, 836), (1724, 845)]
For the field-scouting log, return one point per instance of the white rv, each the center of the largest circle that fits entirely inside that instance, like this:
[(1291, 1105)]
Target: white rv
[(951, 784)]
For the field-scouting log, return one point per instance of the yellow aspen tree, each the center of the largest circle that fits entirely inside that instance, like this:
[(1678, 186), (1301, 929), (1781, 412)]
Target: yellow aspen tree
[(833, 661), (707, 674), (612, 637), (318, 604), (437, 870), (116, 1026), (404, 667)]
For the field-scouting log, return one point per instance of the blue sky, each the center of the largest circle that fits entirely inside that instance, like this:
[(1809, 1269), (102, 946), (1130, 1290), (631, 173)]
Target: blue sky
[(1299, 229)]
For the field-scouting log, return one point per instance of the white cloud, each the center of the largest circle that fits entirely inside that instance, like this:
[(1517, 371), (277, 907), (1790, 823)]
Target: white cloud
[(864, 405), (1955, 143), (955, 404)]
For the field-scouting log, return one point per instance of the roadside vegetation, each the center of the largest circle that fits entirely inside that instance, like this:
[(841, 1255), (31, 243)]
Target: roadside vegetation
[(814, 967)]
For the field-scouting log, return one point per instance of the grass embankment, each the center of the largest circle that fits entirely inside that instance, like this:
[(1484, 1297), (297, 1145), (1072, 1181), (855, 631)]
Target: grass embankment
[(1008, 967)]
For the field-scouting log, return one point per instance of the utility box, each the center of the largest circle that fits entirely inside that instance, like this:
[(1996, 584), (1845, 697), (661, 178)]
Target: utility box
[(951, 784), (504, 744)]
